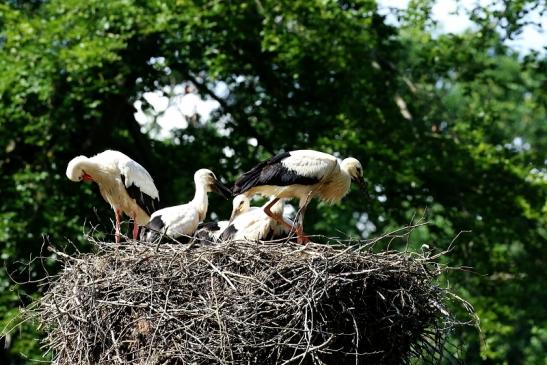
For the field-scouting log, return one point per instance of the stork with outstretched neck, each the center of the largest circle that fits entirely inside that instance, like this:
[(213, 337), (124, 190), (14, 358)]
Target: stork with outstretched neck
[(123, 183), (301, 174)]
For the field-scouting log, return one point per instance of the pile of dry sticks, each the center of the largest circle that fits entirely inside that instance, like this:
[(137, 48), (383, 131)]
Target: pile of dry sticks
[(245, 302)]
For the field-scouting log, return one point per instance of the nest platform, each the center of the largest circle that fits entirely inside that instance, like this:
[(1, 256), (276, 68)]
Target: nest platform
[(244, 303)]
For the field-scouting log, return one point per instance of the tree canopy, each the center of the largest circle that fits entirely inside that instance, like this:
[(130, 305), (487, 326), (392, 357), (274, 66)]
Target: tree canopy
[(447, 125)]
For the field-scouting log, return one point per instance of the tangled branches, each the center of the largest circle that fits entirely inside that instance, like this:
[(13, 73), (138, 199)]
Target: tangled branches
[(244, 303)]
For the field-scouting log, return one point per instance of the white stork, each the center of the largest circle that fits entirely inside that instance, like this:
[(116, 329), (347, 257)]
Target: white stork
[(302, 174), (183, 220), (123, 183), (253, 224)]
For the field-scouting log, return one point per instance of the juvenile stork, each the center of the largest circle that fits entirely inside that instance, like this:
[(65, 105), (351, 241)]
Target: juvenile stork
[(253, 224), (211, 231), (302, 174), (183, 220), (123, 183)]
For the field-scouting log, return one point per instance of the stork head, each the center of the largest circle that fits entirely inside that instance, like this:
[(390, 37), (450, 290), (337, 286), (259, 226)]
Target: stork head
[(207, 178), (240, 204), (354, 168), (75, 169)]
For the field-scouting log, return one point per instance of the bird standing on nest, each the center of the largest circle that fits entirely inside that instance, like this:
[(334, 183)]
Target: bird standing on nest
[(123, 183), (182, 220), (302, 174)]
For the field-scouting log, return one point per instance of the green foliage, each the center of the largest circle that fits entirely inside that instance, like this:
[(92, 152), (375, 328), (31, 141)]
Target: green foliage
[(433, 117)]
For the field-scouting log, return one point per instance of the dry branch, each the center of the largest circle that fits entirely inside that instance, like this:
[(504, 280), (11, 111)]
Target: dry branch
[(244, 303)]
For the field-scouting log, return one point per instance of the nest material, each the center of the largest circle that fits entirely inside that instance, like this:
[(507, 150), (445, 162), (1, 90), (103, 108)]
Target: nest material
[(244, 303)]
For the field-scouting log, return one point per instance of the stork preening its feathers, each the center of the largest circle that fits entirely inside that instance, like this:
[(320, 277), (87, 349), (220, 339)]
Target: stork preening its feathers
[(123, 183), (182, 220), (301, 174)]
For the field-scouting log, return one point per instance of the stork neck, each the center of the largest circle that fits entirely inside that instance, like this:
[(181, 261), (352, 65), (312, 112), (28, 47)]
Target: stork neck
[(344, 174), (200, 200), (337, 186)]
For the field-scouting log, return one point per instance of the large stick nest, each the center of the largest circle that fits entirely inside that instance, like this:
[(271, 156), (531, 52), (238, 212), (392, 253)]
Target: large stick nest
[(244, 303)]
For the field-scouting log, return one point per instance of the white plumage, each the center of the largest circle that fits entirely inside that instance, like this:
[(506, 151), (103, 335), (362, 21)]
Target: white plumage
[(183, 220), (301, 174), (253, 224), (123, 183)]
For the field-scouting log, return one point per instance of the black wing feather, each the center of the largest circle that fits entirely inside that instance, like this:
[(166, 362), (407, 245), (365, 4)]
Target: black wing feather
[(145, 201), (152, 230), (156, 223), (210, 226), (271, 172), (228, 233), (203, 233)]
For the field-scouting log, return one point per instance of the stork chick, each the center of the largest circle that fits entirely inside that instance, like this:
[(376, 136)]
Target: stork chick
[(182, 220), (253, 224)]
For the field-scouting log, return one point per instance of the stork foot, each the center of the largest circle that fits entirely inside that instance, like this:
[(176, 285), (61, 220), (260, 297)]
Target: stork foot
[(301, 236)]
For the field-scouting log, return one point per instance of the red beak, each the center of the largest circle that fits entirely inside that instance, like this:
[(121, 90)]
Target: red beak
[(87, 177)]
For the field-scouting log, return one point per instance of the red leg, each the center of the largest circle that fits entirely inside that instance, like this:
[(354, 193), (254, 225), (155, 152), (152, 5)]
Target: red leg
[(117, 234), (275, 216), (135, 229), (300, 236)]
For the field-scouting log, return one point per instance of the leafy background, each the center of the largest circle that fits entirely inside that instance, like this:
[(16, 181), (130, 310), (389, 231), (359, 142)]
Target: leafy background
[(448, 125)]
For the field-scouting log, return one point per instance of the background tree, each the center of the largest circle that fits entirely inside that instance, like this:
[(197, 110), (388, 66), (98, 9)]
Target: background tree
[(451, 124)]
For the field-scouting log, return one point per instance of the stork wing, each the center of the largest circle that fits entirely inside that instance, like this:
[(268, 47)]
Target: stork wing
[(209, 226), (304, 167), (140, 186), (152, 230), (228, 233), (172, 221), (309, 163)]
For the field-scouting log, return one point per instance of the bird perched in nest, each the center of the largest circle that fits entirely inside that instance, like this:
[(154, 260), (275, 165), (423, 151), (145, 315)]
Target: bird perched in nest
[(182, 220), (253, 224), (246, 223), (123, 183), (302, 174), (211, 231)]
